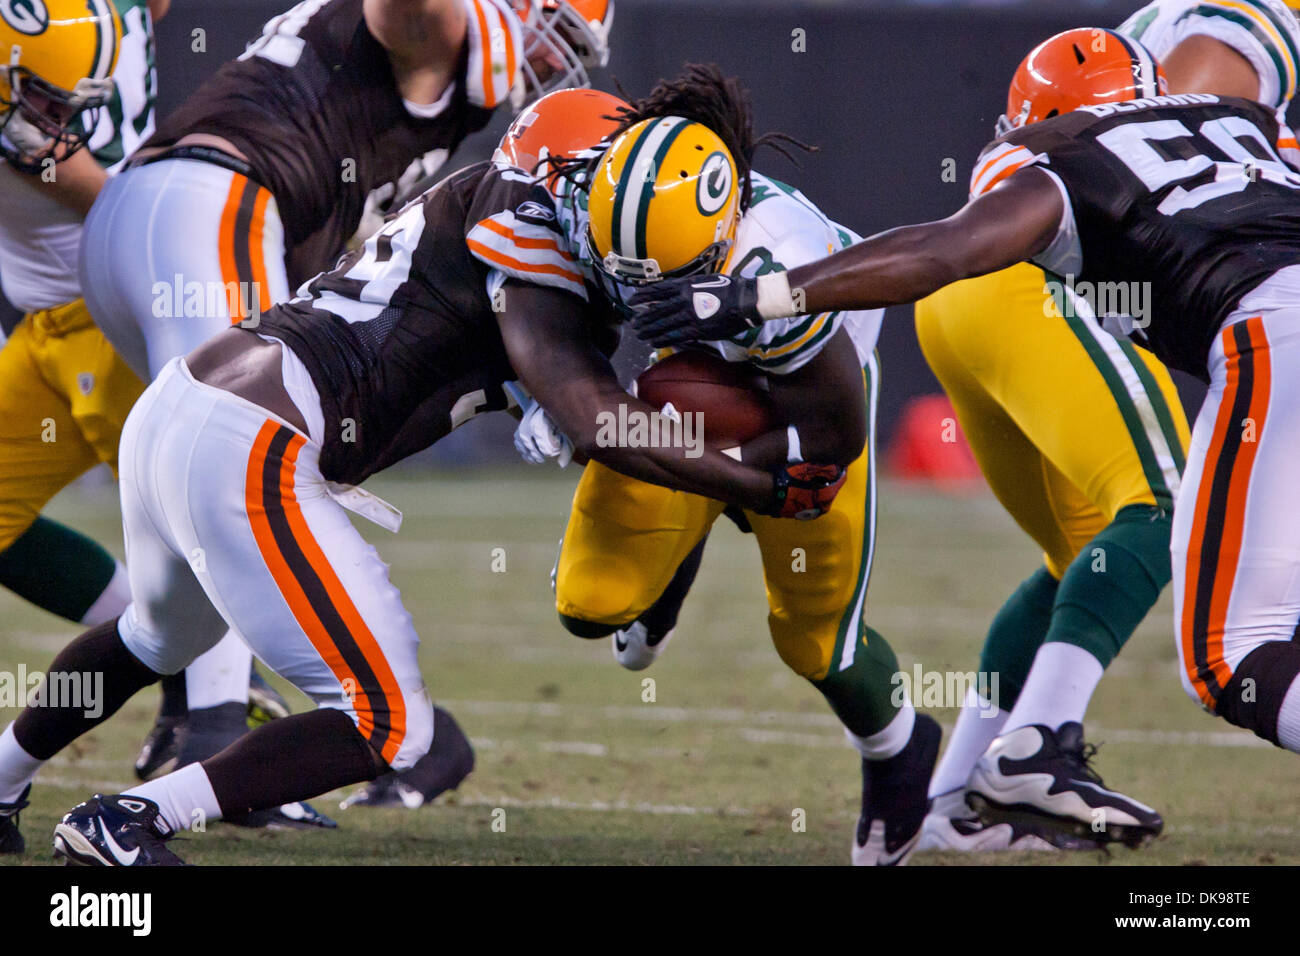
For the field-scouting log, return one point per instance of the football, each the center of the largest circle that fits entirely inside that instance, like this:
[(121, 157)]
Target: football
[(731, 396)]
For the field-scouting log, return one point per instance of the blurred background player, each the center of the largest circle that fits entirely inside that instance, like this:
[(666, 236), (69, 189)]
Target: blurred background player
[(1081, 436), (77, 95), (680, 172), (257, 182)]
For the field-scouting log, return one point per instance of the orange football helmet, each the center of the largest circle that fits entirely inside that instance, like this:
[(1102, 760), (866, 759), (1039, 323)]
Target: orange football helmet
[(563, 40), (1079, 68), (560, 124)]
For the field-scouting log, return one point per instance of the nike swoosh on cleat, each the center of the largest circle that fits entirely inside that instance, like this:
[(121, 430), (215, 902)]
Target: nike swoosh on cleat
[(120, 854)]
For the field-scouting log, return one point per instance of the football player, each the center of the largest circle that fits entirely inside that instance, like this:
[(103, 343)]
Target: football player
[(259, 179), (1082, 438), (226, 464), (1185, 200), (76, 97), (674, 194)]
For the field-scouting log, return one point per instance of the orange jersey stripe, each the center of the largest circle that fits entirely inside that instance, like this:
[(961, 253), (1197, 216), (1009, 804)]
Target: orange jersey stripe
[(522, 241), (516, 265)]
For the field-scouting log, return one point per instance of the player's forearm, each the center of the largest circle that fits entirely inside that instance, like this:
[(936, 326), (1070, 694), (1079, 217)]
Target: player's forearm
[(892, 268), (609, 430), (74, 183)]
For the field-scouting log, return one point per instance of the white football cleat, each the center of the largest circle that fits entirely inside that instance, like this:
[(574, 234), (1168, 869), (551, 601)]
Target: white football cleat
[(951, 827), (1034, 775), (636, 648)]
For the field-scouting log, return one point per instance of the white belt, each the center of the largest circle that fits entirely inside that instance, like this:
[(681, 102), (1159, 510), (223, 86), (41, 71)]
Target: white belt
[(361, 502)]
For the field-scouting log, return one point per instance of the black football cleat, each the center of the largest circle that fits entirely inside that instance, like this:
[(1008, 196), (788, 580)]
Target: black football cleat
[(292, 816), (449, 761), (952, 827), (1035, 775), (894, 801), (265, 703), (11, 841), (160, 748), (117, 830)]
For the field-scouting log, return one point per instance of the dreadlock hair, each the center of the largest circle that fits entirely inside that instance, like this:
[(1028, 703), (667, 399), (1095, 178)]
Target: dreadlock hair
[(702, 94)]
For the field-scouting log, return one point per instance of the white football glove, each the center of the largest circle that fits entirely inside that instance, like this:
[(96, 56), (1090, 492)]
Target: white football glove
[(537, 438)]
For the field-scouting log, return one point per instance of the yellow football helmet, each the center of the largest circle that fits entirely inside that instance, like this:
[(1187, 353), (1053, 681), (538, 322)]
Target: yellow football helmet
[(664, 202), (56, 60)]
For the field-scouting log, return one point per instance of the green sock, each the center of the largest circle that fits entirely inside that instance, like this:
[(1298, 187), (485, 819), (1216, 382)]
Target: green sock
[(1017, 632), (862, 695), (57, 569), (1109, 588)]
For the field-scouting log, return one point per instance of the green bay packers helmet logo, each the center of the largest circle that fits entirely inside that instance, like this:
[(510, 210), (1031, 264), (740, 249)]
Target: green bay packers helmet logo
[(714, 185), (25, 16)]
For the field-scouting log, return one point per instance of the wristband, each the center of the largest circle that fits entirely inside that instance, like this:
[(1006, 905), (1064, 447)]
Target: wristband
[(774, 298)]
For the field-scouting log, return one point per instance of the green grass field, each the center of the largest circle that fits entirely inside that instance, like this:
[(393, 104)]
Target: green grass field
[(714, 769)]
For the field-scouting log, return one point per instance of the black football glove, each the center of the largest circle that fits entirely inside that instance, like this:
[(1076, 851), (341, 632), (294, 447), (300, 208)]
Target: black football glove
[(804, 491), (696, 309)]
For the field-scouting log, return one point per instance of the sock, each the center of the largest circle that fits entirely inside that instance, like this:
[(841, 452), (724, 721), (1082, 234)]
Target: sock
[(220, 674), (44, 731), (174, 702), (864, 694), (888, 742), (977, 724), (1016, 633), (294, 758), (1261, 697), (17, 767), (210, 730), (1111, 585), (184, 797), (63, 572), (1059, 687)]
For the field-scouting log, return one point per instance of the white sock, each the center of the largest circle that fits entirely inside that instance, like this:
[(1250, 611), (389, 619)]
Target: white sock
[(884, 744), (17, 767), (112, 601), (977, 724), (220, 674), (1288, 720), (184, 797), (1058, 688)]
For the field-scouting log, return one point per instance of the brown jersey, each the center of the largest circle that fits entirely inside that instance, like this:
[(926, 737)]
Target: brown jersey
[(401, 338), (1187, 195), (313, 104)]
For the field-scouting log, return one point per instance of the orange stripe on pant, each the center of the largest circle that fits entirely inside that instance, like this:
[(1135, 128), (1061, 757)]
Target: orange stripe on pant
[(300, 604), (226, 246), (1219, 518)]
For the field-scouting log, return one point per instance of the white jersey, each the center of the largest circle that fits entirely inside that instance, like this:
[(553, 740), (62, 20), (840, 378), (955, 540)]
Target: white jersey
[(1265, 32), (781, 230), (39, 236)]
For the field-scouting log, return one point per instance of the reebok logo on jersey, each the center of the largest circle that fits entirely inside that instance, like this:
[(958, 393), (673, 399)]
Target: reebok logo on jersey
[(706, 304), (535, 211), (85, 382)]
